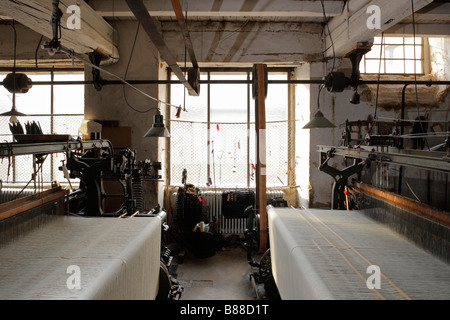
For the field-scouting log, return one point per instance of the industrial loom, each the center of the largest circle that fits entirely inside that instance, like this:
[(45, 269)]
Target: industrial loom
[(374, 243), (60, 244)]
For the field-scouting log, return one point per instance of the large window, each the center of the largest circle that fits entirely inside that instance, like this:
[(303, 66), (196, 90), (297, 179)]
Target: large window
[(57, 108), (214, 140), (399, 55)]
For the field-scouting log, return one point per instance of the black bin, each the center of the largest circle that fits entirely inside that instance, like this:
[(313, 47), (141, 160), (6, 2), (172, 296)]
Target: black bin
[(234, 203)]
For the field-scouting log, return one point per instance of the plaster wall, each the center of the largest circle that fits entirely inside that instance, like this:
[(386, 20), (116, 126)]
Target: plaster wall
[(124, 104), (26, 53), (302, 137), (429, 187)]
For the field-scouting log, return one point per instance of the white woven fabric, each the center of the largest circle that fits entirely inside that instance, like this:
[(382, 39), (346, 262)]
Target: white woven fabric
[(116, 259)]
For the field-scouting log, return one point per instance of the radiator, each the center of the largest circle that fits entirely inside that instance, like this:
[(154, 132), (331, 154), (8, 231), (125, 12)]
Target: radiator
[(224, 226), (10, 194)]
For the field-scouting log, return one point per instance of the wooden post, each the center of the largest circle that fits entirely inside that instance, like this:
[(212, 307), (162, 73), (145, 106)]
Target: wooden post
[(259, 94)]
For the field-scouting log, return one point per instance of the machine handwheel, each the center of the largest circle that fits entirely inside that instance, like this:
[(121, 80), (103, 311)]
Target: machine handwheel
[(266, 276), (265, 266), (165, 284)]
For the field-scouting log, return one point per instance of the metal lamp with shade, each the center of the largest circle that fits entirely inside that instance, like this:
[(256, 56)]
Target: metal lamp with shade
[(319, 121), (158, 130)]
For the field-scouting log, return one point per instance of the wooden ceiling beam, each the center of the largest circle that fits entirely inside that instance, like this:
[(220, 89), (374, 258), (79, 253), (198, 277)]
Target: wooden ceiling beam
[(350, 28), (213, 9), (94, 33), (141, 13)]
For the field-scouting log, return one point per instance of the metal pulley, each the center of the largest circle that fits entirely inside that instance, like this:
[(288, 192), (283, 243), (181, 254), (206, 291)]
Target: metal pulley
[(17, 83), (336, 82)]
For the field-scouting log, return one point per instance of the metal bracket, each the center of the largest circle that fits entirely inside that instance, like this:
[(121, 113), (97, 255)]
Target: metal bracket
[(95, 57), (340, 177), (54, 45)]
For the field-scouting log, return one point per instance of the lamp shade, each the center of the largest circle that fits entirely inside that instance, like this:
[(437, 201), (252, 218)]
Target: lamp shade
[(158, 129), (13, 112), (319, 121)]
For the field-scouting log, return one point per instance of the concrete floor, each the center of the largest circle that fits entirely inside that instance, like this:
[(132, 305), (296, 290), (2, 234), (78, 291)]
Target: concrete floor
[(224, 276)]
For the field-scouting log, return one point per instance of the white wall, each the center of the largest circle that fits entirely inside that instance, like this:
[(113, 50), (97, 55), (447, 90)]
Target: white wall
[(109, 103), (302, 137), (337, 108)]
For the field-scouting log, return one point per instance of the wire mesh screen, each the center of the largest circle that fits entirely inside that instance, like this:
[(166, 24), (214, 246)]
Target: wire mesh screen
[(20, 168), (223, 155), (57, 108), (214, 140)]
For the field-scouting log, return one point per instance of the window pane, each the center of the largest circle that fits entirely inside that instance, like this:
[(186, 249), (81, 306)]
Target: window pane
[(393, 66), (188, 141), (36, 104), (24, 169), (377, 40), (375, 52), (412, 41), (68, 99), (35, 101), (373, 66), (393, 52), (188, 150), (393, 40), (409, 52), (228, 101), (231, 155), (276, 154), (277, 99), (409, 65), (196, 106), (396, 53), (362, 66), (229, 150)]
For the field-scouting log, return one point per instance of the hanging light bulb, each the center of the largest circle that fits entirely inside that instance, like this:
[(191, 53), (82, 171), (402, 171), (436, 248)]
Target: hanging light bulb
[(15, 83)]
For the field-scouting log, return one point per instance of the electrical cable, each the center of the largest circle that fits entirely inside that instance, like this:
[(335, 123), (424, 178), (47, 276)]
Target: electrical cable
[(126, 72), (321, 86), (379, 75), (378, 83), (14, 67), (415, 71), (329, 34), (36, 51), (72, 56)]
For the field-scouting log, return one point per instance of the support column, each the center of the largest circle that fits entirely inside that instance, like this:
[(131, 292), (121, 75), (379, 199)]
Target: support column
[(259, 94)]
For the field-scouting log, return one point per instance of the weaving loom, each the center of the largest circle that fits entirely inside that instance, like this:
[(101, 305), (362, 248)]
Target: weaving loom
[(117, 259), (46, 253), (326, 254)]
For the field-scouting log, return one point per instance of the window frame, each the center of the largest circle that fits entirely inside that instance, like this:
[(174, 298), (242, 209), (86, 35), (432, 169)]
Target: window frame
[(54, 162), (423, 59), (211, 124)]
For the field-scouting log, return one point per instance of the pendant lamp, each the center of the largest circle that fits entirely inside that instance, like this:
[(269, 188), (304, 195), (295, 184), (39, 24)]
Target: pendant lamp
[(319, 121), (158, 130)]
